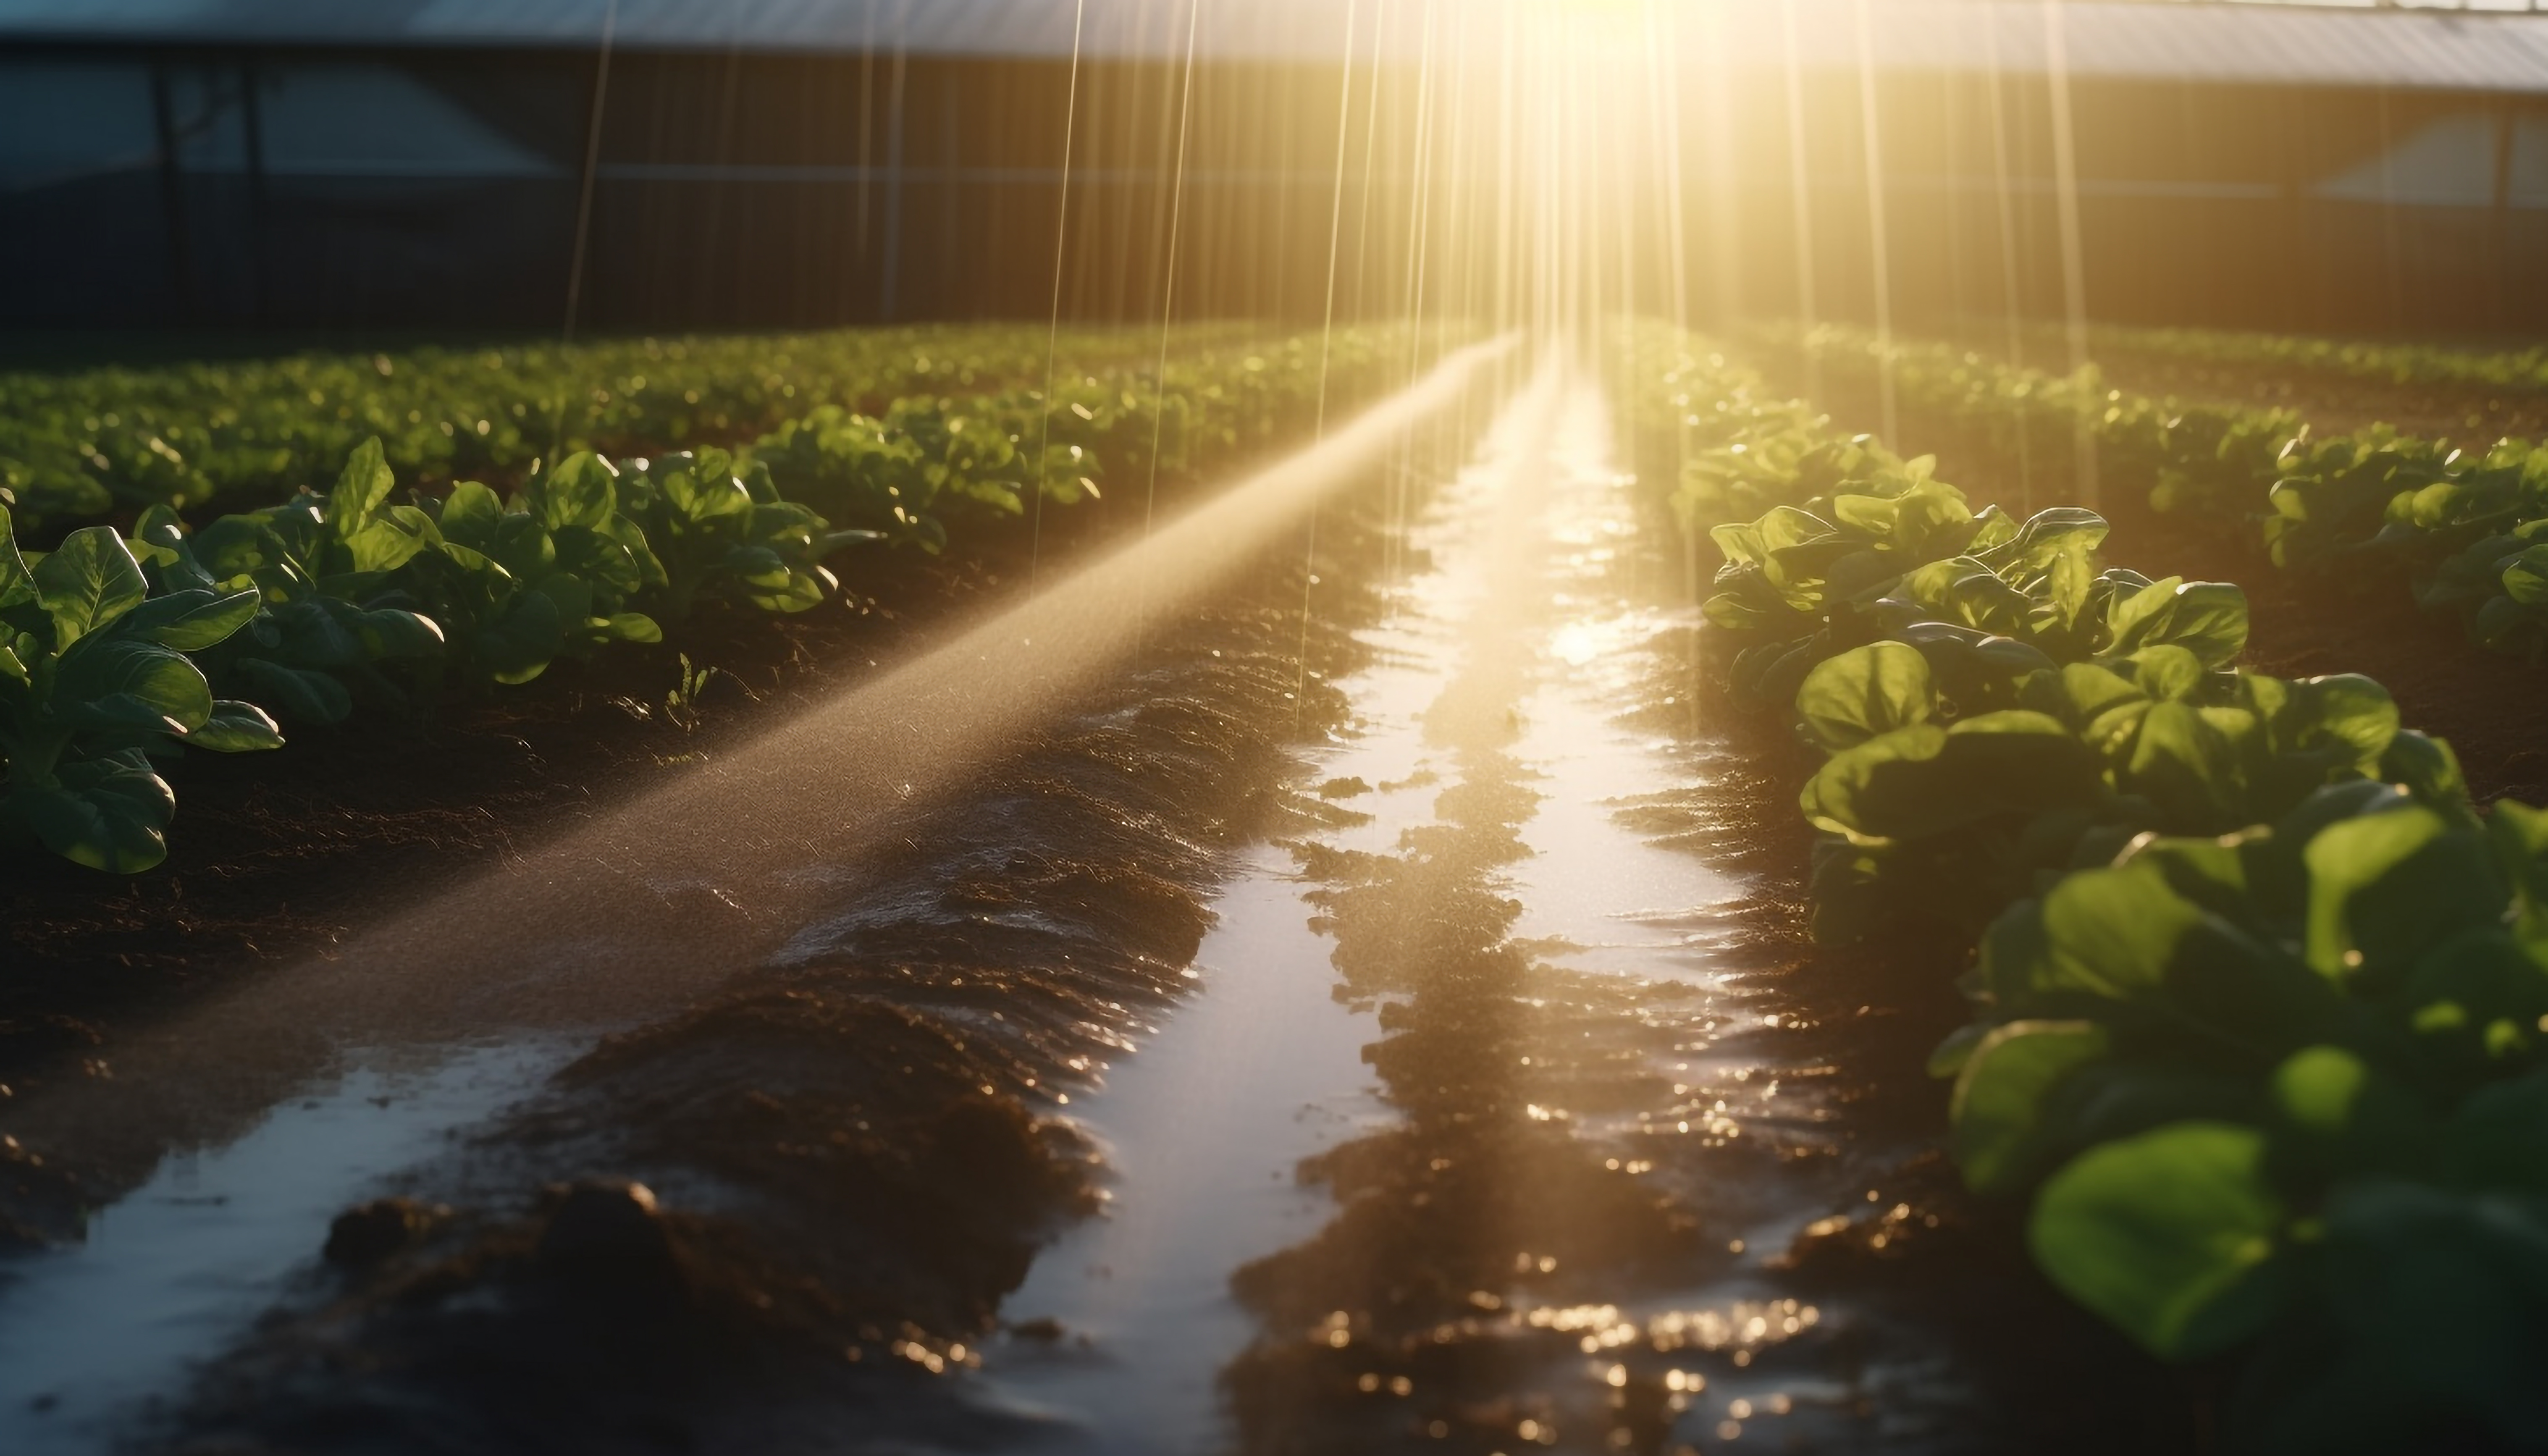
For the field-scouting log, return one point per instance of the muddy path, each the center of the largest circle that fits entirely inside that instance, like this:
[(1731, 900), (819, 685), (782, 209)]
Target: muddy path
[(1389, 1029), (1660, 1175), (437, 1018)]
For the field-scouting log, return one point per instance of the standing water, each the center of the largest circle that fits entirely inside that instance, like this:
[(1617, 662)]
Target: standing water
[(93, 1331), (1121, 1331)]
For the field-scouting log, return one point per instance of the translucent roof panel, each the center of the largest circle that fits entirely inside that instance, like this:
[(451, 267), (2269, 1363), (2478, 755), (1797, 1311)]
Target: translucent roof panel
[(2411, 48)]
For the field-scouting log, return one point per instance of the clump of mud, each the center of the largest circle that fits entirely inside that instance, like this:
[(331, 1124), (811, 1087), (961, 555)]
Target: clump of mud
[(790, 1208)]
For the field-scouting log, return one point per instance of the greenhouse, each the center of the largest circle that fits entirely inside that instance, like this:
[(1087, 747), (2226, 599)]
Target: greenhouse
[(1274, 727)]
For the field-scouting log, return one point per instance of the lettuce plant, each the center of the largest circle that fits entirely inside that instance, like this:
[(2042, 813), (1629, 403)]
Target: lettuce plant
[(325, 571), (2291, 1084), (95, 679), (712, 532)]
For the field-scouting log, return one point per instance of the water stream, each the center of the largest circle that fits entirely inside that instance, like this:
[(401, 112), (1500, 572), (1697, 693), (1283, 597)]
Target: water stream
[(93, 1333), (1123, 1329), (1522, 613)]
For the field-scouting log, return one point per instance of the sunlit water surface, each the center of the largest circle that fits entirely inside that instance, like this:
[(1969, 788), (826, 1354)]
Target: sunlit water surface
[(1263, 1069), (92, 1334)]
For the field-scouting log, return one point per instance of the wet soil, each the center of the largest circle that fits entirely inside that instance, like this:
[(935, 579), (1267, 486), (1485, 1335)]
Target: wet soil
[(1658, 1210), (94, 1128), (849, 1153), (275, 854), (1646, 1213)]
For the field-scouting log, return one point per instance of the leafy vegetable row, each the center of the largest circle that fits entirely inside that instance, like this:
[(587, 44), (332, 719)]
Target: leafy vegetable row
[(2428, 365), (2468, 530), (2261, 999), (117, 652), (75, 446)]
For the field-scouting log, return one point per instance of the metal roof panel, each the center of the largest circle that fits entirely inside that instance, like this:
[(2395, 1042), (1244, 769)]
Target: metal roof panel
[(2254, 44)]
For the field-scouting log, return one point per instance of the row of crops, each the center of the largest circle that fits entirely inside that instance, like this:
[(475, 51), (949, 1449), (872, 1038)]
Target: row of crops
[(2465, 531), (75, 446), (2259, 995), (2433, 366), (124, 645)]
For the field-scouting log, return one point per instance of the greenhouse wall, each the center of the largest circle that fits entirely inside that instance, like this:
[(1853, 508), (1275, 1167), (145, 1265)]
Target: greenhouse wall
[(289, 186)]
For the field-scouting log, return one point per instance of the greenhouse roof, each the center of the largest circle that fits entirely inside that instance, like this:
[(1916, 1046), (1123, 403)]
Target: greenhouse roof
[(2115, 39)]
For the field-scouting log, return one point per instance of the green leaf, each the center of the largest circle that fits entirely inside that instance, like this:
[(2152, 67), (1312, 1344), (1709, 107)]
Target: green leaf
[(191, 620), (2345, 708), (390, 540), (2440, 1293), (582, 492), (631, 627), (360, 488), (2317, 1087), (2168, 673), (88, 583), (2111, 933), (300, 694), (2192, 766), (2207, 618), (522, 547), (1923, 780), (2001, 1092), (2526, 577), (385, 633), (2169, 1235), (700, 495), (125, 681), (16, 585), (2520, 835), (2427, 768), (108, 813), (2048, 536), (2478, 1001), (2498, 1139), (236, 727), (520, 644), (470, 515), (2384, 887)]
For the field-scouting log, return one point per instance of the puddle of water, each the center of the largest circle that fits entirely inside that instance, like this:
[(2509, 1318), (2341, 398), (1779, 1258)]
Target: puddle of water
[(182, 1265), (1596, 894), (1259, 1071)]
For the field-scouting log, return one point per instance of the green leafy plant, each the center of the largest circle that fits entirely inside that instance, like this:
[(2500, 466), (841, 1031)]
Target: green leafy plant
[(2256, 1077), (2261, 1003), (2370, 508), (326, 574), (518, 584), (681, 704), (94, 678), (712, 532)]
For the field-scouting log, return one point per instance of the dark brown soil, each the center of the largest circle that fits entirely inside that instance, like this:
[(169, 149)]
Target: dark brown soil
[(1497, 1277), (850, 1144), (273, 856)]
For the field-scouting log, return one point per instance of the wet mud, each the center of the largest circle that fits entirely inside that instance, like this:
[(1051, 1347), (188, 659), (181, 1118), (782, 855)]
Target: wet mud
[(1698, 1208), (821, 1176), (777, 1219), (1647, 1170)]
